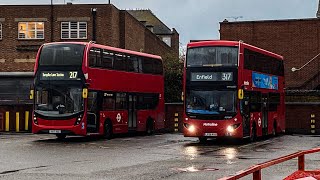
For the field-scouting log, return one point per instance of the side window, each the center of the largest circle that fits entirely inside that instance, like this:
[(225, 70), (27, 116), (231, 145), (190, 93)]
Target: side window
[(133, 64), (140, 64), (108, 101), (107, 59), (147, 65), (158, 68), (274, 101), (121, 101), (148, 101), (255, 101), (95, 57), (120, 62)]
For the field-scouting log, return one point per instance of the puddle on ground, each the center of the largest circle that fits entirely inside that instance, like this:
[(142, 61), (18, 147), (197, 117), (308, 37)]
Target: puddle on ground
[(194, 169)]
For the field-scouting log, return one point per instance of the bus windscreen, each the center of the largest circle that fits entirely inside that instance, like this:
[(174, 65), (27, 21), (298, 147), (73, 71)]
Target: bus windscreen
[(61, 54), (212, 56)]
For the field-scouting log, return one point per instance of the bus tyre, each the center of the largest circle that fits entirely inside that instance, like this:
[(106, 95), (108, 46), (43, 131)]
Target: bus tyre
[(149, 128), (202, 140), (107, 129), (253, 135), (61, 136), (274, 130)]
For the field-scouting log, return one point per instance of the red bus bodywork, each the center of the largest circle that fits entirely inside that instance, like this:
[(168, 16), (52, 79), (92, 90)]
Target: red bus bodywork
[(108, 80), (217, 128)]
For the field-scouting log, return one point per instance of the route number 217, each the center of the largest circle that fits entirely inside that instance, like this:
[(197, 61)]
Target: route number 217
[(73, 74)]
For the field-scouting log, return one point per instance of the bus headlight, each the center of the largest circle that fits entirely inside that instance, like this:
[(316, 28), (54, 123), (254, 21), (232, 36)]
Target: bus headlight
[(78, 120), (35, 119), (231, 128), (191, 129)]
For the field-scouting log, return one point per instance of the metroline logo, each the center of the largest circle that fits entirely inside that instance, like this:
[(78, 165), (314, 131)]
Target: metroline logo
[(210, 124)]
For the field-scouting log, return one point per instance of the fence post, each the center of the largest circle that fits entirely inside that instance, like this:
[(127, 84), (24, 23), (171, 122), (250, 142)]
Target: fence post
[(17, 122), (26, 119), (257, 175), (7, 121), (301, 163)]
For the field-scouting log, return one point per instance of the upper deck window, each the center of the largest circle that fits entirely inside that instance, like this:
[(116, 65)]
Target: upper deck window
[(212, 56), (31, 30), (62, 54)]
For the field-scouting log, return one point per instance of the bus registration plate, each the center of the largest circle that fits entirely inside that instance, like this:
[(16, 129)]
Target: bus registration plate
[(54, 131), (210, 134)]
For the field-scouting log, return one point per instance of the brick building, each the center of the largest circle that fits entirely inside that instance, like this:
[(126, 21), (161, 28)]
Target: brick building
[(23, 28), (295, 39), (298, 40)]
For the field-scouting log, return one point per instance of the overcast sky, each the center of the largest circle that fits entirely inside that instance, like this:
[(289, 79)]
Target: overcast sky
[(199, 19)]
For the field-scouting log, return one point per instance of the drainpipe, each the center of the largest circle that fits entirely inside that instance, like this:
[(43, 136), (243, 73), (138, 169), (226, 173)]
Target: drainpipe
[(51, 21), (94, 24)]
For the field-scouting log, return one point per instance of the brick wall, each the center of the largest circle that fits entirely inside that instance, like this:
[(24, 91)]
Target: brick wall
[(298, 118), (297, 40), (114, 28)]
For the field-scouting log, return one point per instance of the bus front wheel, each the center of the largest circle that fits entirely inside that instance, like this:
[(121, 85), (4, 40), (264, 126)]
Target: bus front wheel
[(149, 128), (253, 135), (107, 129)]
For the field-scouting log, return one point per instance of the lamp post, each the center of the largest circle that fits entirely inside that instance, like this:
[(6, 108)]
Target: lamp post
[(293, 69)]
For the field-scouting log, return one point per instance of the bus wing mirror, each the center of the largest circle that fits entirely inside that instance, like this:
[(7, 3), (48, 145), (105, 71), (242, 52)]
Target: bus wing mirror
[(240, 94), (31, 94), (84, 93)]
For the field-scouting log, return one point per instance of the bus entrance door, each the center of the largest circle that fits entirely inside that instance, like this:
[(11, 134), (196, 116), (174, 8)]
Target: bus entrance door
[(245, 112), (93, 113), (264, 122), (132, 112)]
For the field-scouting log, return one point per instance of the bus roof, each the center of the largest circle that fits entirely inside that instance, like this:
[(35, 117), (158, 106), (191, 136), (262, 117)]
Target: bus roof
[(111, 48), (232, 43)]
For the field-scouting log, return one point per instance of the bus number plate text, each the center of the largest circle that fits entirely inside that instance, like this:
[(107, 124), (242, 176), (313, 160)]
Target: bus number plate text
[(210, 134), (54, 131)]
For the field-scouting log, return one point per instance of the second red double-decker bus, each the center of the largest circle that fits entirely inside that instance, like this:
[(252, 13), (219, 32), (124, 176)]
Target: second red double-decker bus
[(87, 88), (232, 89)]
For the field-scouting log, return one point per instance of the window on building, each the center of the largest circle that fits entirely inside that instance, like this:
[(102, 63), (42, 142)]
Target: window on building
[(31, 30), (0, 31), (167, 40), (73, 30)]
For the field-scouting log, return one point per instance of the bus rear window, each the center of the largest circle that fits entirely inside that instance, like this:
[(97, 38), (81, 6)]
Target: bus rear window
[(212, 56), (61, 54)]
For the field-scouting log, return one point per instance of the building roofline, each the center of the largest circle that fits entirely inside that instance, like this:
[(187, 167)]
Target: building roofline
[(54, 4), (267, 21), (155, 17)]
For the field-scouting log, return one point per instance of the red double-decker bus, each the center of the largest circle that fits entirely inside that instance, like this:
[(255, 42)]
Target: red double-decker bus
[(91, 89), (232, 89)]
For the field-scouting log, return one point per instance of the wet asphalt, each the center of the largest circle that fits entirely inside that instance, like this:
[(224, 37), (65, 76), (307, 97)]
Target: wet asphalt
[(161, 156)]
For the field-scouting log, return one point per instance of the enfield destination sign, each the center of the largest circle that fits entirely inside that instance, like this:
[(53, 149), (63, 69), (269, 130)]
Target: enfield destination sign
[(212, 76)]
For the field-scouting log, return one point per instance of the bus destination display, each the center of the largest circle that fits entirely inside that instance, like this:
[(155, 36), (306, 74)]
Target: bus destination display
[(59, 75), (211, 76)]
